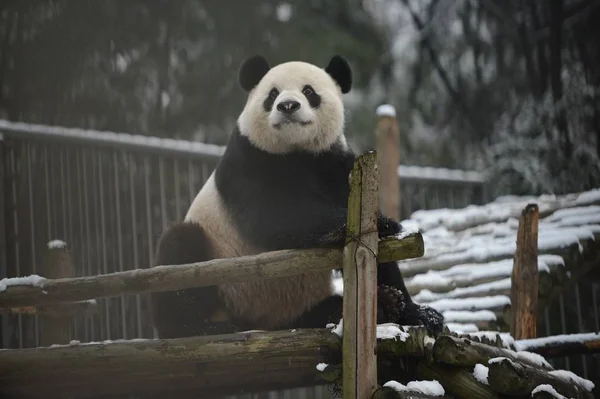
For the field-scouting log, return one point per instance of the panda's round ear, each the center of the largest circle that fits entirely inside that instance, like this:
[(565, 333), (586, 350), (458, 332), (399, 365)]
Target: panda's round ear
[(339, 69), (252, 71)]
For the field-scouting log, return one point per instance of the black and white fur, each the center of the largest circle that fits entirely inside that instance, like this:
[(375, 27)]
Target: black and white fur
[(282, 183)]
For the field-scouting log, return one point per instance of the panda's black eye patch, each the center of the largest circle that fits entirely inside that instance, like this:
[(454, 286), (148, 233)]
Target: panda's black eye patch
[(313, 98), (268, 103)]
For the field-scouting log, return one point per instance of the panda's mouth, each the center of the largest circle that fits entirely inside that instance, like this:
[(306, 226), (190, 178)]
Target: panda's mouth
[(290, 121)]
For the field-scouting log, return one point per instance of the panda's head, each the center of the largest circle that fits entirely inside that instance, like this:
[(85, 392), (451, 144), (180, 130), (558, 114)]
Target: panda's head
[(294, 105)]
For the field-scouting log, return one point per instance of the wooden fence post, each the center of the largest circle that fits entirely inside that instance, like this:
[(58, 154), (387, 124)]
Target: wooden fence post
[(359, 338), (525, 277), (57, 263), (387, 138)]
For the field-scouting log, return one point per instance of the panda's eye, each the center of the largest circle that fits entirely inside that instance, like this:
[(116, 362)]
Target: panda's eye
[(273, 94), (308, 91)]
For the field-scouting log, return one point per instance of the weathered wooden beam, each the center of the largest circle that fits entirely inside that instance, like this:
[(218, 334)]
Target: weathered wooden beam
[(360, 281), (207, 366), (176, 277), (463, 352), (510, 378), (525, 277)]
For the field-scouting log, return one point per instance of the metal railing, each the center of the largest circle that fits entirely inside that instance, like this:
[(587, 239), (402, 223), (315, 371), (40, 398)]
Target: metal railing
[(109, 196)]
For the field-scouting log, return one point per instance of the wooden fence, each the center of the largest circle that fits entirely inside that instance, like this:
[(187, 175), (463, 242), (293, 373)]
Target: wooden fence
[(234, 363)]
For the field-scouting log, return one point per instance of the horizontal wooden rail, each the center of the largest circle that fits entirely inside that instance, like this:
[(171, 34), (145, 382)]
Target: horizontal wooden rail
[(209, 366), (176, 277)]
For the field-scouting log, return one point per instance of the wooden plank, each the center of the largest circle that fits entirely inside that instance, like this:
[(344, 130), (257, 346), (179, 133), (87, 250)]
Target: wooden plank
[(525, 278), (176, 277), (360, 281), (387, 144)]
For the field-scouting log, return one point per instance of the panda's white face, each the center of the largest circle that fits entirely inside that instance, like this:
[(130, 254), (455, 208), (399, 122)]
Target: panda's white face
[(295, 106)]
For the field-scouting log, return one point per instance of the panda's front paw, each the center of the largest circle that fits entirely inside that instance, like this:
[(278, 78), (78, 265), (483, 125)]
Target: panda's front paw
[(387, 227), (431, 319)]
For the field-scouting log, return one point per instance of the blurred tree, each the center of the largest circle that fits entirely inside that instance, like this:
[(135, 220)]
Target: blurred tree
[(165, 68)]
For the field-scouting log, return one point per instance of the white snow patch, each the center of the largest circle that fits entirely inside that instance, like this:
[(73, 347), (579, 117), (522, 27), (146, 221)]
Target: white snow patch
[(498, 360), (55, 244), (480, 372), (486, 302), (525, 344), (338, 328), (533, 358), (549, 389), (386, 110), (321, 366), (458, 316), (391, 331), (462, 328), (284, 12), (33, 280), (589, 197), (432, 388), (571, 378)]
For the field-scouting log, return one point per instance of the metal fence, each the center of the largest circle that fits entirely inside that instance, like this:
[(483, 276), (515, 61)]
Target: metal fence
[(109, 196)]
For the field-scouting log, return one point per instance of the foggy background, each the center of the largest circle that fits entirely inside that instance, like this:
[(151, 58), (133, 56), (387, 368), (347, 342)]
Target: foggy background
[(507, 87)]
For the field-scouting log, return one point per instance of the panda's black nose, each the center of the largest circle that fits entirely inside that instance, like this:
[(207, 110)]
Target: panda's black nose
[(288, 107)]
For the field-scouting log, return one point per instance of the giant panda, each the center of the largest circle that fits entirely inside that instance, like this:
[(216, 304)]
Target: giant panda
[(282, 183)]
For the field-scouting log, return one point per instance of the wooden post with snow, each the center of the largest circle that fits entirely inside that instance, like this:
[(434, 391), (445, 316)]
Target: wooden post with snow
[(524, 279), (57, 263), (360, 281), (387, 139)]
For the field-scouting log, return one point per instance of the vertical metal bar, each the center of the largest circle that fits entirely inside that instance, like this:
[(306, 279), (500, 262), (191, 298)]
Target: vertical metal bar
[(580, 325), (177, 196), (148, 210), (32, 233), (561, 302), (5, 325), (103, 240), (16, 235), (136, 263), (161, 184), (88, 235), (84, 235), (595, 304), (62, 191), (191, 189), (47, 185), (70, 209), (149, 217), (119, 240)]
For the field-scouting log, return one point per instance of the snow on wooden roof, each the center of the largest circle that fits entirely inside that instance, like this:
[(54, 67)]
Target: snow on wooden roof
[(466, 269)]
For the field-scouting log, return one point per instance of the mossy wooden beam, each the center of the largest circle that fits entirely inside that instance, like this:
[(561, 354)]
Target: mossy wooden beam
[(391, 393), (360, 281), (510, 378), (176, 277), (457, 382), (212, 365), (209, 366)]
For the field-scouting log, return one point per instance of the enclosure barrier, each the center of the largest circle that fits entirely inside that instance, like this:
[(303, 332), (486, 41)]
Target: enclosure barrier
[(212, 366), (285, 357)]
